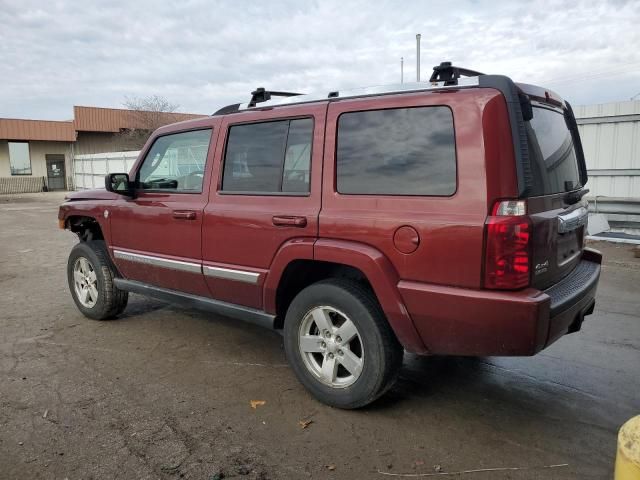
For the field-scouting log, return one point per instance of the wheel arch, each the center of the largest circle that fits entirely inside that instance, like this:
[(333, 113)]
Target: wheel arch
[(303, 263), (85, 226)]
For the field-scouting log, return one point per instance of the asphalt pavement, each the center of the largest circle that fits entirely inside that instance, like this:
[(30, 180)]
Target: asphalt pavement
[(166, 393)]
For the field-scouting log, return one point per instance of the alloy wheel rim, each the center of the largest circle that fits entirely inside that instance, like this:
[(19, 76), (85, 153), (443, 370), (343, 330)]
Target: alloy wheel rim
[(85, 282), (331, 347)]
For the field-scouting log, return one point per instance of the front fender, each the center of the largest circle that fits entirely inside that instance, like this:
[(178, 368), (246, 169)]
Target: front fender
[(383, 278), (87, 209)]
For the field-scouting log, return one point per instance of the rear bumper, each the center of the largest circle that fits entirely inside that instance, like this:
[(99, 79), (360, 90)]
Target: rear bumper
[(456, 321)]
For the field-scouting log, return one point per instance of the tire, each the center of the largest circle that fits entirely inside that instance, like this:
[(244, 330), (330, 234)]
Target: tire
[(373, 356), (86, 259)]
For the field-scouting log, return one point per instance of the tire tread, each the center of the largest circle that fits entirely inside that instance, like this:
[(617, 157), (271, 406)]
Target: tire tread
[(389, 350)]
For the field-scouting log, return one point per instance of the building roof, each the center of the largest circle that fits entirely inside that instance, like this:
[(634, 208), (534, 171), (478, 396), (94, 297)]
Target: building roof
[(16, 129), (94, 119), (86, 119)]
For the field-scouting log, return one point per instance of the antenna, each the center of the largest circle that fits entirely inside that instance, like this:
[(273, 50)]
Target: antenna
[(418, 36)]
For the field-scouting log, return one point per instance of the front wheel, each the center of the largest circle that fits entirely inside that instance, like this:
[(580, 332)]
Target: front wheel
[(90, 276), (340, 345)]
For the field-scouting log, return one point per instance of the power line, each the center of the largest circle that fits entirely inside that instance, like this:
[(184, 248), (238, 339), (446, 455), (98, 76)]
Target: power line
[(591, 75)]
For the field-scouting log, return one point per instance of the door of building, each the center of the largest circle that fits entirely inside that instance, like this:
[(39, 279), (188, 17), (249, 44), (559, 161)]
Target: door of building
[(56, 179)]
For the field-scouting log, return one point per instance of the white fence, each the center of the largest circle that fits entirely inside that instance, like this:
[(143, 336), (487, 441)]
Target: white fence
[(89, 170)]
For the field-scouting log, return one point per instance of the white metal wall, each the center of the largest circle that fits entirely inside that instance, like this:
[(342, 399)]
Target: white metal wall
[(610, 136), (89, 170)]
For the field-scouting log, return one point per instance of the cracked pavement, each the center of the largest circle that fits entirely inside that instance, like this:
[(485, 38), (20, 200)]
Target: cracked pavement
[(165, 393)]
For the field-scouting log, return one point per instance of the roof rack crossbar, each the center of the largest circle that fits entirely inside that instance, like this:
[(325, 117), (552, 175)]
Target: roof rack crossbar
[(260, 95), (449, 74)]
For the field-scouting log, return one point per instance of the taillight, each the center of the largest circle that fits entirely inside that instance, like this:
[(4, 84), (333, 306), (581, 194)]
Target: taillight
[(508, 240)]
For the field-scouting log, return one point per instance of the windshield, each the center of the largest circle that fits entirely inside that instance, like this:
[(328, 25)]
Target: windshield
[(554, 165)]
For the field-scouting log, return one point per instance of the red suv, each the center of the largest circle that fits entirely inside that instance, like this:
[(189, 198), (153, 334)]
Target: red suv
[(444, 217)]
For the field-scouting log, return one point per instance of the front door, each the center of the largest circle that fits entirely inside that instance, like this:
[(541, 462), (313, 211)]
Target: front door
[(156, 236), (56, 179), (267, 195)]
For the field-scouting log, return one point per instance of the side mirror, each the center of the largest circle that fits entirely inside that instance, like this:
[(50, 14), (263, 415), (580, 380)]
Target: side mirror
[(118, 183)]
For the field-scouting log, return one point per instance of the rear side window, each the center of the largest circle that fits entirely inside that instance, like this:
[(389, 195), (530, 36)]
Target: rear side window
[(269, 157), (400, 151)]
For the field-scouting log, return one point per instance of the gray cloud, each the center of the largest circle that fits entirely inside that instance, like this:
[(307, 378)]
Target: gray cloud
[(205, 54)]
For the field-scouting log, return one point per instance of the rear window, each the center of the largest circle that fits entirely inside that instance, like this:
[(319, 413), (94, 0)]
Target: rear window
[(400, 151), (554, 165)]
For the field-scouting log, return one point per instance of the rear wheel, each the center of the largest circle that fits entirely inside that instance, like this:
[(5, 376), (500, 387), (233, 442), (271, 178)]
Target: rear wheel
[(340, 345), (90, 275)]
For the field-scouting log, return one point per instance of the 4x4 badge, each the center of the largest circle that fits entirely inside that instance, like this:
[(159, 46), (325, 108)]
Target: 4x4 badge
[(542, 267)]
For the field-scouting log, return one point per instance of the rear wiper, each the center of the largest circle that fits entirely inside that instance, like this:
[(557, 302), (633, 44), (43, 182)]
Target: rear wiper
[(575, 197)]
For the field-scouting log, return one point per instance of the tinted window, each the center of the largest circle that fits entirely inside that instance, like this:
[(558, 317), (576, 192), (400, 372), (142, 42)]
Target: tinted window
[(402, 151), (176, 162), (268, 157), (554, 165), (297, 160)]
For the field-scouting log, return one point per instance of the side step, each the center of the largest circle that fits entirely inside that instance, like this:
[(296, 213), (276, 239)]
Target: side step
[(239, 312)]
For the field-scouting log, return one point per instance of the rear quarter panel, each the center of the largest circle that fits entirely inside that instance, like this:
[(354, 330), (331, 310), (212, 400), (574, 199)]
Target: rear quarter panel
[(450, 249)]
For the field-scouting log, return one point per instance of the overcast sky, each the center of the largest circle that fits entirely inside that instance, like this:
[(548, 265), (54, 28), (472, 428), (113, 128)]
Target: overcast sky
[(204, 54)]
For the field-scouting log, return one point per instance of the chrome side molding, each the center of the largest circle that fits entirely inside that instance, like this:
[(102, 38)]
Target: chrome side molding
[(231, 274), (191, 267), (158, 261)]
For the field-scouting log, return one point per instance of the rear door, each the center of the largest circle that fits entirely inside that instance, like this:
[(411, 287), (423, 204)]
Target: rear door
[(558, 213), (156, 236), (266, 194)]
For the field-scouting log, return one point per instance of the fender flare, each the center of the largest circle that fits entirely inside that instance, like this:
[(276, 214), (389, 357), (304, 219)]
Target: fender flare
[(375, 266), (383, 278), (294, 249)]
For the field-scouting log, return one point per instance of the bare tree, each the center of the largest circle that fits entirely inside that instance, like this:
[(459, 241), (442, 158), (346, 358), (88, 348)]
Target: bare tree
[(145, 115)]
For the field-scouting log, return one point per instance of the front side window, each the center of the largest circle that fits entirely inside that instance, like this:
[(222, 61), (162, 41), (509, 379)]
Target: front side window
[(269, 157), (176, 162), (19, 158), (398, 151)]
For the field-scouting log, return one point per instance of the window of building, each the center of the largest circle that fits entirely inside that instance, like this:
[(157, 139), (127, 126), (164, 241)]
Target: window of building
[(269, 157), (399, 151), (19, 158), (176, 162)]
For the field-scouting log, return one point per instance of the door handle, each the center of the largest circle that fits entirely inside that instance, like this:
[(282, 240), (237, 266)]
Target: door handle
[(184, 214), (288, 221)]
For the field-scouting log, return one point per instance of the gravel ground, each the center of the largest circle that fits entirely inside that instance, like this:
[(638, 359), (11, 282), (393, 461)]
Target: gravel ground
[(165, 393)]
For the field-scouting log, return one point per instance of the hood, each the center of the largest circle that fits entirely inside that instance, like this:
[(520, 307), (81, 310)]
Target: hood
[(95, 194)]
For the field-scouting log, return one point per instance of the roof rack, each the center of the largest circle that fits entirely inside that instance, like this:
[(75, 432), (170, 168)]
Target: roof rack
[(449, 74), (260, 95), (444, 75)]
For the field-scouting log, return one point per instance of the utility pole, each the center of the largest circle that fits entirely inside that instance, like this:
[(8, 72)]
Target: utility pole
[(401, 69), (418, 57)]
